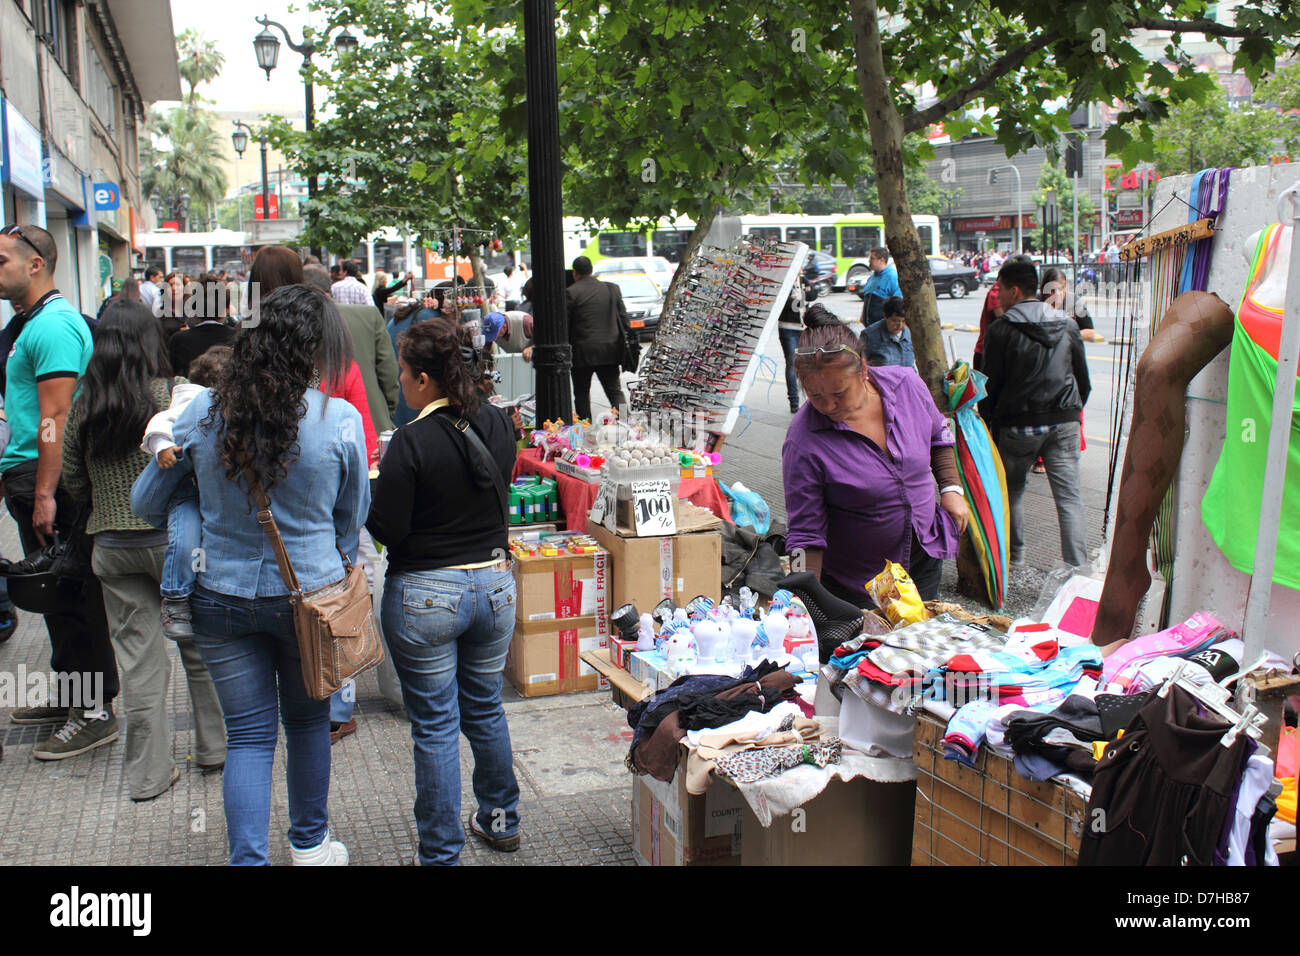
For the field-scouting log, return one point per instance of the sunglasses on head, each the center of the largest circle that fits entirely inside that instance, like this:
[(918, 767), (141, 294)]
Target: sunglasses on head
[(825, 350), (17, 232)]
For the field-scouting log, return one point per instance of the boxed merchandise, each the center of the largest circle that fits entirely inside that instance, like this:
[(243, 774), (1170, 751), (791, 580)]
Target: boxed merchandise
[(543, 658), (989, 815), (647, 570), (563, 586), (650, 667), (620, 652), (671, 827)]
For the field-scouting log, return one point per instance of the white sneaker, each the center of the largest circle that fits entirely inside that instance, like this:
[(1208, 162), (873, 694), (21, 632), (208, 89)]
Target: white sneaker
[(328, 853)]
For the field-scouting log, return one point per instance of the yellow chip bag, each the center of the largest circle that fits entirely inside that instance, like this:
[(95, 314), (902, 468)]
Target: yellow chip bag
[(895, 594)]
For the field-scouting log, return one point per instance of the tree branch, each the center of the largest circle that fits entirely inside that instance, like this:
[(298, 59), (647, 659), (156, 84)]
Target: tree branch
[(915, 122), (1208, 27)]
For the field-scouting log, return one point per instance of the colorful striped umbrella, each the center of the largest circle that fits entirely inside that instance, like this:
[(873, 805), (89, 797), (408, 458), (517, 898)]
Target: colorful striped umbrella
[(982, 476)]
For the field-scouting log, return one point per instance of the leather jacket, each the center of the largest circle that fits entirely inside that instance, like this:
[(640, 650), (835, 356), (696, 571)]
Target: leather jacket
[(1036, 366)]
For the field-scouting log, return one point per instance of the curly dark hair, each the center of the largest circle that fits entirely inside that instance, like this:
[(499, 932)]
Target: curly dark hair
[(445, 352), (260, 397), (115, 392)]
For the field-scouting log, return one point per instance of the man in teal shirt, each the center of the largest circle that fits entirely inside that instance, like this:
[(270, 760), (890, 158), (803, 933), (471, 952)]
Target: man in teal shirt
[(882, 284), (45, 349)]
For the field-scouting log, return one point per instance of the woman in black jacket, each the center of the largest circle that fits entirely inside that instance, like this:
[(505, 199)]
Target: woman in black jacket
[(449, 598)]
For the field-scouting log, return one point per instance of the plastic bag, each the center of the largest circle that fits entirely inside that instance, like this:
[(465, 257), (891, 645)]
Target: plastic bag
[(895, 594), (748, 507)]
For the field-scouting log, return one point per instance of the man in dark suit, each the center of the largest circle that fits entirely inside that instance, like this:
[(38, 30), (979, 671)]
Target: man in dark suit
[(597, 318)]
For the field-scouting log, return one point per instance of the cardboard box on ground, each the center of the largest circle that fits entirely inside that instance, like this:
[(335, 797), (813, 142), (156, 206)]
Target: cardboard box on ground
[(562, 610)]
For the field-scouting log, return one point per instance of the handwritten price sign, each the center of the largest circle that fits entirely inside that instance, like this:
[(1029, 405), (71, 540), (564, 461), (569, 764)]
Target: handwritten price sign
[(652, 508)]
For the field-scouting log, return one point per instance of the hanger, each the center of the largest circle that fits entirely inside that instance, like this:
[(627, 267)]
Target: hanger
[(1215, 697)]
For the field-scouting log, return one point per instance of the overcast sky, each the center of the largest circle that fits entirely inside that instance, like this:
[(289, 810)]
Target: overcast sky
[(242, 86)]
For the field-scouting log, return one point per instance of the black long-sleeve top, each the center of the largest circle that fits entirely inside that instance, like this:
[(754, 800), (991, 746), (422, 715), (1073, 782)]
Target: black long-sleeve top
[(426, 508)]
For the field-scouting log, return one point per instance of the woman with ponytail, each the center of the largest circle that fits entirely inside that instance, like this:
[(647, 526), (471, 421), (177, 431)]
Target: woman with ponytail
[(449, 599)]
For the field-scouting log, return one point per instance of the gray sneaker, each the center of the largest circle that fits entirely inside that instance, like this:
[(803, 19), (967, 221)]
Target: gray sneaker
[(176, 619), (39, 715), (85, 730)]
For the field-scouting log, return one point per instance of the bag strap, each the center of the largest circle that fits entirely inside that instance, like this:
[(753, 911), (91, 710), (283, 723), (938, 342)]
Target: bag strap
[(267, 521), (479, 451)]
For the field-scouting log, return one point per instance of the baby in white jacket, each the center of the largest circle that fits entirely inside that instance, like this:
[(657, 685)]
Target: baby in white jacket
[(184, 525)]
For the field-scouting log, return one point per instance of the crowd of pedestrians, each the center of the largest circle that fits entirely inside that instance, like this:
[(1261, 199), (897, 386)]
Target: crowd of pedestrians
[(145, 442)]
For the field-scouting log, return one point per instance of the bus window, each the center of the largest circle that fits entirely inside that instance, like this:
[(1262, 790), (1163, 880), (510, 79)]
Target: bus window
[(230, 258), (191, 260), (772, 233), (391, 257), (621, 244), (857, 241), (156, 256), (670, 243), (927, 239), (805, 234), (828, 240)]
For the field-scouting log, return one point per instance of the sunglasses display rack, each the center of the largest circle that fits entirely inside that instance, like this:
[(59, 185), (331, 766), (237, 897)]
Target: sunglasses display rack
[(705, 354)]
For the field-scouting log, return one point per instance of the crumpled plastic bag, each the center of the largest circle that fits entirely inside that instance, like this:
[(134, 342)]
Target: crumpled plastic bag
[(895, 594)]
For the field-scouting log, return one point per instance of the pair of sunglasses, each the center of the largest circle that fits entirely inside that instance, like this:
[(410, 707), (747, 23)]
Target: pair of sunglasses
[(17, 232)]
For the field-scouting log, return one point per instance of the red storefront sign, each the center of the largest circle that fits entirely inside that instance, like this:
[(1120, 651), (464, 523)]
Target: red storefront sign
[(993, 223)]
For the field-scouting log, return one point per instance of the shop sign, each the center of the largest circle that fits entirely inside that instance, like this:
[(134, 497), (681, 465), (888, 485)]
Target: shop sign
[(1129, 217), (107, 197), (22, 148), (993, 222), (652, 508), (63, 179)]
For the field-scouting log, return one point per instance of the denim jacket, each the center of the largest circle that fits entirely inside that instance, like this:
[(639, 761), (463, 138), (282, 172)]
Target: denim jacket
[(319, 506)]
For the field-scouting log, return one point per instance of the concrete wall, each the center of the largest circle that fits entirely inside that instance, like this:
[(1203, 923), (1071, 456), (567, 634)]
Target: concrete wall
[(1203, 578)]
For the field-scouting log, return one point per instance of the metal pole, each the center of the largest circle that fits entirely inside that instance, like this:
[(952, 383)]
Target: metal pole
[(552, 354), (1075, 270), (310, 123), (1279, 444), (266, 184), (1020, 239)]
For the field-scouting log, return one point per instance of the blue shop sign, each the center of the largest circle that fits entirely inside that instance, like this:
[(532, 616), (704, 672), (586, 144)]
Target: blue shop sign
[(107, 197)]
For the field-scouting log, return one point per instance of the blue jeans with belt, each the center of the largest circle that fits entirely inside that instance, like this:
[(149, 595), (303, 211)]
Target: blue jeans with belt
[(250, 649), (448, 632), (790, 342)]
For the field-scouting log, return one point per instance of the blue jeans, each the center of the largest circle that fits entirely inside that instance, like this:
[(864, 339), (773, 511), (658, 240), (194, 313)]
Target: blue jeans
[(448, 632), (251, 652), (790, 342), (184, 539), (1059, 449)]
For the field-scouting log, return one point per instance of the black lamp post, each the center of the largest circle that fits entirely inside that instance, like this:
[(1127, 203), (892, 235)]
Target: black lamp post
[(267, 49), (177, 206)]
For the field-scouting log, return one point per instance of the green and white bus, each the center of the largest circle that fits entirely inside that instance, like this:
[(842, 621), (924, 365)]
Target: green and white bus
[(848, 238)]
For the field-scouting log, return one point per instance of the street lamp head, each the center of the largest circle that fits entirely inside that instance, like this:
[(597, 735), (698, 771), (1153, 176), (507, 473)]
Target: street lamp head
[(239, 139), (345, 43), (267, 48), (156, 204), (183, 205)]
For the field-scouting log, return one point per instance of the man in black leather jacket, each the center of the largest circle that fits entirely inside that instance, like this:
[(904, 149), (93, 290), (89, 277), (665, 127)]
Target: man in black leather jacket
[(1038, 385)]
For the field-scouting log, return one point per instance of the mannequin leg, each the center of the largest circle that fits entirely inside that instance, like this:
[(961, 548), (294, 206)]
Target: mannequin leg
[(1197, 327)]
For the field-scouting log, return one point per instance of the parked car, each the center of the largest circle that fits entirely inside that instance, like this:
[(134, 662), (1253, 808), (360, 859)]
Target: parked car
[(656, 267), (953, 278), (643, 299)]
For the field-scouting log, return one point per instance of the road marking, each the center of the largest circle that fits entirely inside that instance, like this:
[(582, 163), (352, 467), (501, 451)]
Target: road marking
[(1100, 441)]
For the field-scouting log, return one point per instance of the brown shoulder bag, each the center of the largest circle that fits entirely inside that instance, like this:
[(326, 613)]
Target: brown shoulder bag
[(335, 625)]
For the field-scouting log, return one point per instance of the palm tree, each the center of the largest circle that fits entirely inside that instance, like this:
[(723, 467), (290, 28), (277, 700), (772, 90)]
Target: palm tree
[(189, 158), (198, 60)]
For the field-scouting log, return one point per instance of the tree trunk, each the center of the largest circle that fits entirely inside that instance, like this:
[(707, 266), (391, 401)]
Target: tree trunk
[(703, 224), (900, 232), (479, 277)]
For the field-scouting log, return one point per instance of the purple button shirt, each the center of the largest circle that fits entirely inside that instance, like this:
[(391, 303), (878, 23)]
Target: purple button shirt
[(845, 495)]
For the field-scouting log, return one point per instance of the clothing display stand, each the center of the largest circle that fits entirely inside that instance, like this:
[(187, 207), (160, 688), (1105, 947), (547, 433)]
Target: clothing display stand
[(1279, 439)]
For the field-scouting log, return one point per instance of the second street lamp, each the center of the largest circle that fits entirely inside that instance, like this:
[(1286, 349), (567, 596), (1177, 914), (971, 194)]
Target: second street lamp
[(267, 48)]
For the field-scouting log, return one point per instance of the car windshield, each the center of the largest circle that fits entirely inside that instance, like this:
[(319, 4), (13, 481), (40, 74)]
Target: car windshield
[(636, 287)]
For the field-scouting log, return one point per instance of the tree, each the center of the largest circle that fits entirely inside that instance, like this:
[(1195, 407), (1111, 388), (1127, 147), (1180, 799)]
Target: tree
[(1052, 177), (398, 149), (180, 150), (199, 61), (1196, 135), (925, 61)]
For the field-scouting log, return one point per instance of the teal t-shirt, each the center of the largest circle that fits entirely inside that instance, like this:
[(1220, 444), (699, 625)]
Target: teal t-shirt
[(56, 342)]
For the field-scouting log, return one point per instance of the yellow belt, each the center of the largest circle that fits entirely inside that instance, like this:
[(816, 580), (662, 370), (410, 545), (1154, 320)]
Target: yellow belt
[(478, 566)]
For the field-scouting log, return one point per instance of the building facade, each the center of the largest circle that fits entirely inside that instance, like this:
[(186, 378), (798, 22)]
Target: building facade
[(76, 77)]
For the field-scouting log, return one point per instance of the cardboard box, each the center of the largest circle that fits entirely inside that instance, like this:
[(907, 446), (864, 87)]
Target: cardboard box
[(543, 658), (567, 586), (671, 827), (650, 667), (988, 814), (646, 570)]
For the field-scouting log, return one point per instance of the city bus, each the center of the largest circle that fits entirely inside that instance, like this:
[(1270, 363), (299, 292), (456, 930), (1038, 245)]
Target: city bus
[(196, 252), (848, 238)]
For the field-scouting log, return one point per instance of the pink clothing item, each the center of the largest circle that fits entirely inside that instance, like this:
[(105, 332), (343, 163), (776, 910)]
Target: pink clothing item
[(354, 391), (1182, 640)]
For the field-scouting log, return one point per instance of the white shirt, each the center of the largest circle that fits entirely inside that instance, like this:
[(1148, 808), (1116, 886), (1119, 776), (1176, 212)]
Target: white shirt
[(514, 286), (348, 291), (148, 293)]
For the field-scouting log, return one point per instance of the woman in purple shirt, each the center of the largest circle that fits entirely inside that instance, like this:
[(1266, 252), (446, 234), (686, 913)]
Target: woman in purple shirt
[(860, 464)]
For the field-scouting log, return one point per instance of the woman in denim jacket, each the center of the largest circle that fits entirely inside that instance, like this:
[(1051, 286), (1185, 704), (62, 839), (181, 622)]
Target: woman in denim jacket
[(267, 416), (449, 598)]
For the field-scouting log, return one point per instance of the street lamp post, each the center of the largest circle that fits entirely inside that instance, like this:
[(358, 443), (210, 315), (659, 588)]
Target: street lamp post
[(993, 178), (267, 48), (178, 206), (239, 140)]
